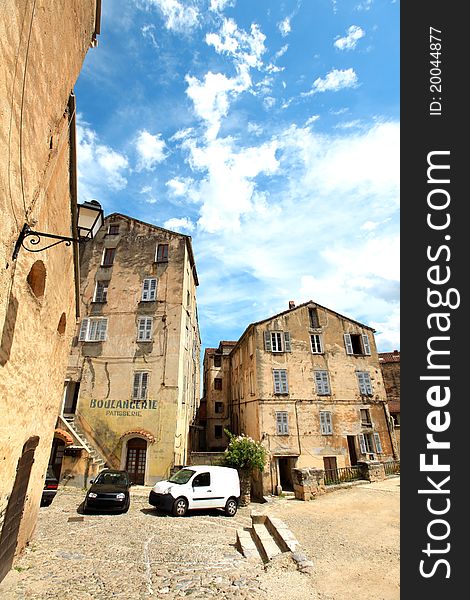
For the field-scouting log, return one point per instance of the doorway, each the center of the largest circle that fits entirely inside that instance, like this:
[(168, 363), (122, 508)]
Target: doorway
[(71, 397), (331, 470), (56, 457), (15, 507), (352, 450), (285, 473), (136, 459)]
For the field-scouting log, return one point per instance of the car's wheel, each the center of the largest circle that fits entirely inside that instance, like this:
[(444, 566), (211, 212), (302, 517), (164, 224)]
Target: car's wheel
[(180, 507), (231, 507)]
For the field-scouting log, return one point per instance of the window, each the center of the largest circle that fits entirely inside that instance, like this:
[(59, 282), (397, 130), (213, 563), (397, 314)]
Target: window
[(139, 388), (202, 480), (219, 407), (218, 431), (144, 329), (316, 344), (313, 318), (108, 257), (357, 343), (396, 419), (280, 381), (370, 443), (217, 360), (326, 425), (277, 341), (217, 383), (162, 253), (322, 383), (282, 424), (365, 417), (101, 291), (149, 289), (93, 329), (113, 229), (365, 385)]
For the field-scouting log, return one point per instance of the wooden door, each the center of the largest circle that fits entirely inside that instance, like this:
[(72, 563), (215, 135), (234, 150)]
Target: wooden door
[(15, 507), (136, 458), (331, 472)]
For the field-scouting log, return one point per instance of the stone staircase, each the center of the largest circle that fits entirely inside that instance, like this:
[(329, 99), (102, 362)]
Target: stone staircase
[(268, 538), (98, 461)]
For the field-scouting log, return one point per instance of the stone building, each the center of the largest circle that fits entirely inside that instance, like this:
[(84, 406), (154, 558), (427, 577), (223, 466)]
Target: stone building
[(308, 384), (390, 366), (132, 386), (42, 48), (216, 396)]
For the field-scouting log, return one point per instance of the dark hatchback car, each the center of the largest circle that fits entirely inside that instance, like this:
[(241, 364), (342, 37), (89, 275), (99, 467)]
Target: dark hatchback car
[(109, 492), (50, 487)]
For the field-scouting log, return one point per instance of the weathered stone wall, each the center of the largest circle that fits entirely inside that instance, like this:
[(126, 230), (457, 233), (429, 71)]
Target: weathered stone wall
[(42, 47), (254, 406), (308, 483)]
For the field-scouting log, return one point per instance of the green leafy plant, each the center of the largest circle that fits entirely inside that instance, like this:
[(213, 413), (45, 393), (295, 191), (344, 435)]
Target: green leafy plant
[(244, 453)]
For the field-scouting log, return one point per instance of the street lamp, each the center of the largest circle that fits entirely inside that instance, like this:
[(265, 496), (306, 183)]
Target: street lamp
[(89, 221)]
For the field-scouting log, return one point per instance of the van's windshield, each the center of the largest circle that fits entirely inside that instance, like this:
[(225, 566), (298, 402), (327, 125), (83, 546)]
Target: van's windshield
[(182, 476)]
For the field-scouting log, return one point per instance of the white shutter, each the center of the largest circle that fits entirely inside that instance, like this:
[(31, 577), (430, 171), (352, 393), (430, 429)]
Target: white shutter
[(378, 445), (146, 289), (282, 425), (153, 289), (83, 330), (143, 386), (102, 329), (365, 385), (267, 341), (362, 443), (365, 342), (136, 385), (348, 343), (284, 387), (322, 382), (287, 347), (325, 423)]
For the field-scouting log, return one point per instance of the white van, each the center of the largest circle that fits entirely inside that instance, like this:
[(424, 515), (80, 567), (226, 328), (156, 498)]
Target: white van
[(200, 486)]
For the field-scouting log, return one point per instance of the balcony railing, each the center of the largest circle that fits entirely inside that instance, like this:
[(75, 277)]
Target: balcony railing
[(342, 475)]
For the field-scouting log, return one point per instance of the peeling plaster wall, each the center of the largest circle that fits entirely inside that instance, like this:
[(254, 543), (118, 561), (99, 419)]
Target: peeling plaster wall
[(256, 411), (41, 55), (106, 369)]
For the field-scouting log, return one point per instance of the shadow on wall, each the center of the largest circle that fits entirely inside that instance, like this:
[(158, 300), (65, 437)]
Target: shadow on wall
[(8, 330)]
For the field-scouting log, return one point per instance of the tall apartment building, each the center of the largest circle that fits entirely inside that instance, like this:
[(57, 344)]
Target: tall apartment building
[(307, 383), (390, 365), (216, 395), (42, 48), (132, 385)]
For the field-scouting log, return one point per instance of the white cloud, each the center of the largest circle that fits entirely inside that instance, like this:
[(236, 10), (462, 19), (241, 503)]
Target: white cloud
[(245, 48), (180, 186), (99, 166), (284, 26), (269, 102), (148, 31), (150, 150), (178, 17), (219, 5), (349, 42), (180, 225), (365, 5), (335, 80), (312, 119)]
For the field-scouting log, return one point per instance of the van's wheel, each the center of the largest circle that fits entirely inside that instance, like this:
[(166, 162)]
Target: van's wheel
[(231, 507), (180, 507)]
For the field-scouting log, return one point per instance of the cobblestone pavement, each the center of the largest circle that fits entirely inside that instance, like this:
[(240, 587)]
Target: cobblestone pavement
[(351, 536), (140, 555)]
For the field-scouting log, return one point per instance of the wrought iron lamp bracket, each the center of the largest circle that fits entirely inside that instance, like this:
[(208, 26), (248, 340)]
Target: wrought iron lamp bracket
[(34, 238)]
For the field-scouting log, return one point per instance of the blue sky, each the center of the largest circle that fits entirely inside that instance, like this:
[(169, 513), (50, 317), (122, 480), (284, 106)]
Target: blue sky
[(266, 130)]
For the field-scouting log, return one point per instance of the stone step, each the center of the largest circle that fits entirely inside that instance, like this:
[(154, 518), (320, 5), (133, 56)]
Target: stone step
[(265, 542), (246, 545)]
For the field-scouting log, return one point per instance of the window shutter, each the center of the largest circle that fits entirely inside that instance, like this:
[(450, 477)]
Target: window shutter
[(102, 328), (348, 343), (325, 422), (365, 342), (145, 289), (277, 381), (153, 289), (287, 347), (320, 344), (378, 445), (267, 341), (83, 330), (136, 385), (326, 383), (362, 443), (284, 388)]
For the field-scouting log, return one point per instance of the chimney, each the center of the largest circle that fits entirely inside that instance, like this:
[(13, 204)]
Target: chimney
[(291, 304)]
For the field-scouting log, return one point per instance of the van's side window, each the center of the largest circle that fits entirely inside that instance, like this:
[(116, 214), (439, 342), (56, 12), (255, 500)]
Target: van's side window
[(202, 480)]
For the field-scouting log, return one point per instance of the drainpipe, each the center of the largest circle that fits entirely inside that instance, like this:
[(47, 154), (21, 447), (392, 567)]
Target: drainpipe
[(73, 198)]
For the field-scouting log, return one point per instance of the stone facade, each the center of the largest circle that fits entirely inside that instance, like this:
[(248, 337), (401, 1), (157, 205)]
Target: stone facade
[(308, 384), (42, 49), (135, 358), (216, 395), (390, 366)]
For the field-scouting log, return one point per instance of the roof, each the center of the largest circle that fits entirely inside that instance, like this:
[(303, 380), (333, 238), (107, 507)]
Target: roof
[(294, 308), (389, 357)]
